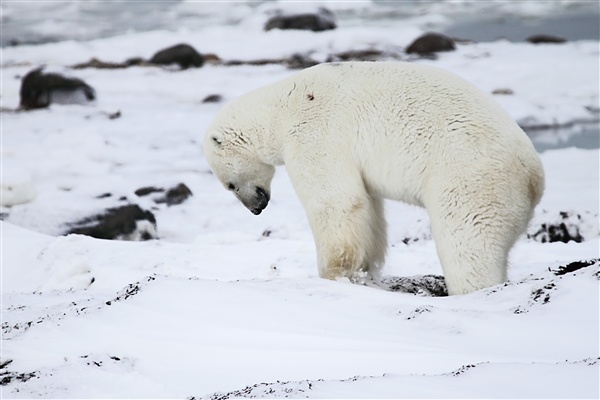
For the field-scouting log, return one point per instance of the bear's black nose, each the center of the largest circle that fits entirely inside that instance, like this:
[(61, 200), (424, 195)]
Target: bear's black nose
[(261, 199)]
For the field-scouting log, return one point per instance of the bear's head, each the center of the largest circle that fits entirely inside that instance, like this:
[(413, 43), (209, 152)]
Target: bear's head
[(230, 154)]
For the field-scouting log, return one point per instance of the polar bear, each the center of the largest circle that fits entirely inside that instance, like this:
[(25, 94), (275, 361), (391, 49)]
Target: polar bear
[(354, 133)]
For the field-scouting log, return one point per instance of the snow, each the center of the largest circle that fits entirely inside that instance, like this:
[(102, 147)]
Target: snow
[(228, 304)]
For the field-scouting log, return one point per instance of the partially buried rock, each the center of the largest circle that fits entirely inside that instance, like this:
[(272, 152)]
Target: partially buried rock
[(431, 43), (316, 22), (129, 222), (425, 285), (183, 55), (174, 196), (539, 39), (40, 89), (564, 227)]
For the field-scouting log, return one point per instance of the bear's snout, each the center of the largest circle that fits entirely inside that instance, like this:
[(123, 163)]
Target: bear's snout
[(260, 201)]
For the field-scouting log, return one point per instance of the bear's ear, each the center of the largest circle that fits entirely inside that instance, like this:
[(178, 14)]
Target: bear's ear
[(216, 140)]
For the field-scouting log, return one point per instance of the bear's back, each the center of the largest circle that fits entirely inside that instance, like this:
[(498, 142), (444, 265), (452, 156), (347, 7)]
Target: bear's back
[(406, 120)]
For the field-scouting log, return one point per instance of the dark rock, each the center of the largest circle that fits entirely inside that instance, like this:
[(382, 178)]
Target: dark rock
[(503, 91), (574, 266), (213, 98), (425, 285), (128, 222), (537, 39), (296, 61), (176, 195), (95, 63), (257, 62), (182, 54), (99, 64), (39, 90), (564, 228), (431, 43), (357, 55), (299, 61), (136, 62), (114, 115), (146, 190), (316, 22), (8, 377)]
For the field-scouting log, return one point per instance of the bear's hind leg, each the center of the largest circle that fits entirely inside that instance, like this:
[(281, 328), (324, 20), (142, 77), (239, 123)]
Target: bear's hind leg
[(474, 233)]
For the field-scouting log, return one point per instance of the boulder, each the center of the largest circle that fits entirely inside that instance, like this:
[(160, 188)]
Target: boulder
[(128, 222), (431, 43), (40, 89), (321, 21), (538, 39), (183, 55)]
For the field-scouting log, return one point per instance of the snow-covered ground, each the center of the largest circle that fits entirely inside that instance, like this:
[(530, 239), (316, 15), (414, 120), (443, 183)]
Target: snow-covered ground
[(227, 304)]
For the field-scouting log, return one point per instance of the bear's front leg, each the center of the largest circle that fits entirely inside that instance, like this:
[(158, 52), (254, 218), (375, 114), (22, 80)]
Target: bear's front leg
[(347, 224), (339, 232)]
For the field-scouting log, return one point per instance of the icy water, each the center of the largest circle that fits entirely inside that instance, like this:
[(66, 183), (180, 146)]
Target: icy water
[(41, 22), (581, 136), (570, 26)]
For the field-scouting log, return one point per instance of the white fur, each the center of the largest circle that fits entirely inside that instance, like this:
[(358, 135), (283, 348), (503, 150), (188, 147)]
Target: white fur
[(352, 134)]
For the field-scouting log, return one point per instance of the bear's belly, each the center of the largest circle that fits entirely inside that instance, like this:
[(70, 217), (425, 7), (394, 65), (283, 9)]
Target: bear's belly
[(387, 178)]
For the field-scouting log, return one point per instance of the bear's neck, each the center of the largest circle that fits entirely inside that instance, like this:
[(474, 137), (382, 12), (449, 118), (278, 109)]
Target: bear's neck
[(269, 122)]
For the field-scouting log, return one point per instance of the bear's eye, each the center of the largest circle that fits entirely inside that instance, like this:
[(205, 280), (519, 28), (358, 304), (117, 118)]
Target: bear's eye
[(217, 141), (231, 186)]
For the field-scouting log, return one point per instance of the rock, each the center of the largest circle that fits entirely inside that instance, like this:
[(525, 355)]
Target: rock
[(358, 55), (537, 39), (146, 190), (211, 58), (503, 91), (95, 63), (99, 64), (137, 62), (299, 61), (213, 98), (174, 196), (564, 228), (424, 285), (182, 54), (431, 43), (114, 115), (128, 222), (39, 90), (316, 22), (574, 266)]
